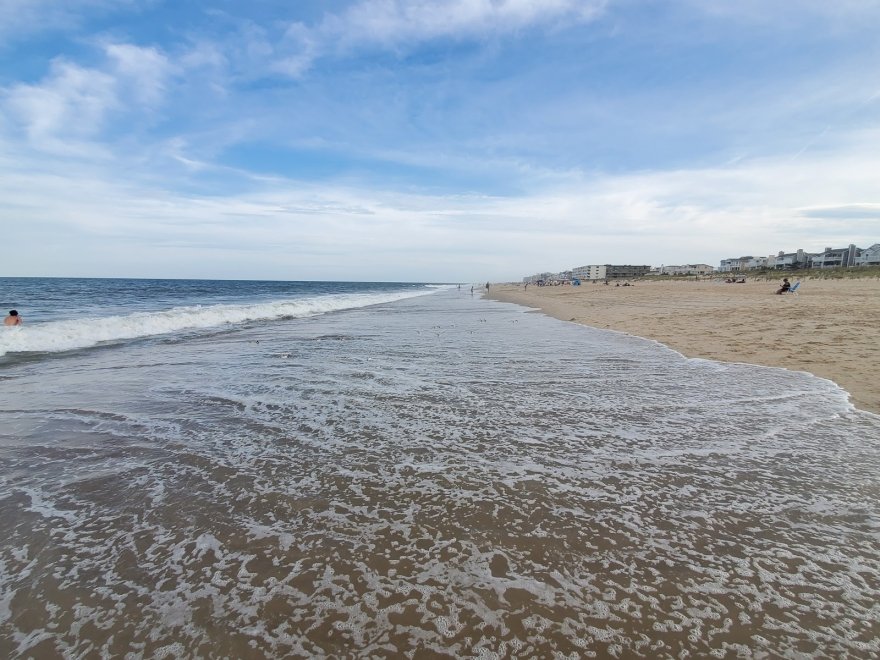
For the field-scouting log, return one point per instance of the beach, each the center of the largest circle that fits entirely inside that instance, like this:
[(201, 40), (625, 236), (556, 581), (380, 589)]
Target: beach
[(342, 469), (830, 329)]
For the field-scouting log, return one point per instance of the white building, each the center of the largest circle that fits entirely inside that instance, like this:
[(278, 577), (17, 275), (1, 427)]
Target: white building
[(734, 264), (687, 269), (589, 272), (609, 272)]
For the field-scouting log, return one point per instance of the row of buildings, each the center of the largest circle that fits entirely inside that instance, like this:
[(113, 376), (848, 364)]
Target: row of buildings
[(583, 273), (847, 257), (828, 258)]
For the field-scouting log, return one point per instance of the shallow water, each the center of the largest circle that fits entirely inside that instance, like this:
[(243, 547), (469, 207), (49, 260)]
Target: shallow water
[(440, 475)]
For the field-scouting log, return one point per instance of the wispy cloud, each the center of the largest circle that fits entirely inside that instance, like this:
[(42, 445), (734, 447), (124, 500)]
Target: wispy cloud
[(72, 103), (398, 25), (391, 22), (141, 73)]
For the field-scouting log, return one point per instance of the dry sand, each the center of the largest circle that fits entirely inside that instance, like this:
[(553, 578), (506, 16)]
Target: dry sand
[(831, 329)]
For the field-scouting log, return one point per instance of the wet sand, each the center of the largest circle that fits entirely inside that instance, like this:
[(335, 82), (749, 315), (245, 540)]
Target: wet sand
[(830, 329)]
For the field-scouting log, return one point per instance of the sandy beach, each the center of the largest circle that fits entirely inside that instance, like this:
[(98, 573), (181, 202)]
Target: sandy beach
[(831, 329)]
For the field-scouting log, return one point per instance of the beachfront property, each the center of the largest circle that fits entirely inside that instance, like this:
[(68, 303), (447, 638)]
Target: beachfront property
[(869, 256), (548, 278), (799, 259), (686, 269), (828, 258), (746, 263), (789, 260), (840, 258), (609, 272), (593, 273)]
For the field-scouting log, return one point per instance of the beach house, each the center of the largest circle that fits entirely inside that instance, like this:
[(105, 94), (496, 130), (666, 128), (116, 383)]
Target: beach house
[(734, 264), (790, 260), (870, 256), (837, 258)]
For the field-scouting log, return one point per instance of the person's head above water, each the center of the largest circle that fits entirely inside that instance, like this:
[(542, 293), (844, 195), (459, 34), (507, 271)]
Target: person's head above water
[(13, 312)]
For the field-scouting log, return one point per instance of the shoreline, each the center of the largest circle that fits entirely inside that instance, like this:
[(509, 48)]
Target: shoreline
[(831, 329)]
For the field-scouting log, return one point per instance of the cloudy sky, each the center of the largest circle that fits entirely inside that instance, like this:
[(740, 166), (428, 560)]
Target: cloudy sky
[(431, 140)]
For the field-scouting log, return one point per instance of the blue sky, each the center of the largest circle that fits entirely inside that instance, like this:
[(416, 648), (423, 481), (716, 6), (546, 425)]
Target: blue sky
[(453, 140)]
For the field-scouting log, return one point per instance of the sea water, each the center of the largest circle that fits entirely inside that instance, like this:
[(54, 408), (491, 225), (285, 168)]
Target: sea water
[(246, 469)]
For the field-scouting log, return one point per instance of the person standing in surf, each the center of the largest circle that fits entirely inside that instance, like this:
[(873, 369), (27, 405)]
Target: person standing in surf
[(13, 318)]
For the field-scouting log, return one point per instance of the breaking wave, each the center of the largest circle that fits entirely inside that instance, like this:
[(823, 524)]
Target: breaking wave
[(72, 334)]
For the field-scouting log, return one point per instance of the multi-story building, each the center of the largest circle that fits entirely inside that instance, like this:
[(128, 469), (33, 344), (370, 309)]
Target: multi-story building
[(791, 260), (734, 264), (837, 258), (782, 260), (687, 269), (869, 256), (609, 272), (589, 272), (756, 263)]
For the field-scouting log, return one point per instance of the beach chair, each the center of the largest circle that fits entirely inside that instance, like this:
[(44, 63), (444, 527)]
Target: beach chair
[(794, 289)]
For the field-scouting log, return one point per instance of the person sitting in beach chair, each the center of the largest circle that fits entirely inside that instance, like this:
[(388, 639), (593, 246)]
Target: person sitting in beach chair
[(786, 285)]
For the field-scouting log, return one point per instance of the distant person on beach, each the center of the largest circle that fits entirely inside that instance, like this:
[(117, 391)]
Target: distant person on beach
[(12, 319), (786, 285), (487, 286)]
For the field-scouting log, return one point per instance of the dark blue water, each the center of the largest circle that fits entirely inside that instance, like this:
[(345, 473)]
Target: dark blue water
[(41, 299)]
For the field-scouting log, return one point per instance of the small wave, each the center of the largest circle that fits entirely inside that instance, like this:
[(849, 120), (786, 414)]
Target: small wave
[(72, 334)]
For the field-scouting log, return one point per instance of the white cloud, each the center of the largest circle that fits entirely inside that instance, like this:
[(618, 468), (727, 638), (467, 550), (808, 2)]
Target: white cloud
[(71, 101), (396, 24), (142, 71), (72, 104), (397, 21)]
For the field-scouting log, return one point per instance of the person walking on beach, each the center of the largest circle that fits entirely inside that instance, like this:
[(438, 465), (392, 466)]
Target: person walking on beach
[(13, 318), (487, 286), (786, 285)]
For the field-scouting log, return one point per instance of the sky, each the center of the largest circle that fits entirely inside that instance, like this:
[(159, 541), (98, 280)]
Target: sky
[(439, 141)]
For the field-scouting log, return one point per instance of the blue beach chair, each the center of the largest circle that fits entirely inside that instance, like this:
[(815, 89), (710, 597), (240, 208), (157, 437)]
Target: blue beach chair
[(794, 289)]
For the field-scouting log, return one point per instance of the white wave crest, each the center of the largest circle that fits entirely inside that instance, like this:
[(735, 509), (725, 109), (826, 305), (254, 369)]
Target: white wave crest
[(73, 334)]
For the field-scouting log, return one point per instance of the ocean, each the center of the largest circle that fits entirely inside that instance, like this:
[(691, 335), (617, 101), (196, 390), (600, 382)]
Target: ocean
[(203, 469)]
